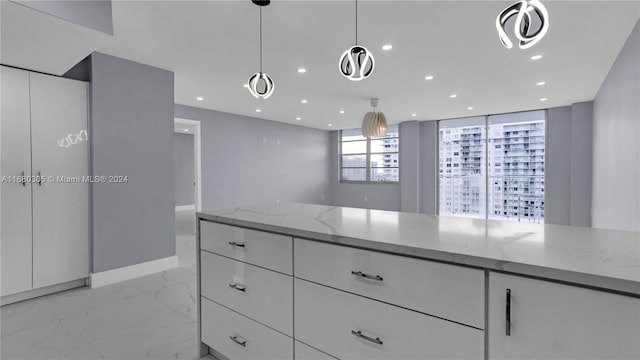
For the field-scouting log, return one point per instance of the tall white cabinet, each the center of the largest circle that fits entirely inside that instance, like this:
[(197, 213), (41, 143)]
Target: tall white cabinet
[(45, 218)]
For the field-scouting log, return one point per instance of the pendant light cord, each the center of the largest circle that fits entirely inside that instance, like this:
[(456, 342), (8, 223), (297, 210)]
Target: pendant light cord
[(260, 38), (356, 22)]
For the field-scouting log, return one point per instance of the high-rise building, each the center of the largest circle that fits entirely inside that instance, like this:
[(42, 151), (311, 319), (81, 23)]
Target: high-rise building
[(506, 179)]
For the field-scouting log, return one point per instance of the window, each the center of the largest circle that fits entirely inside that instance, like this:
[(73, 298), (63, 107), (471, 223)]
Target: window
[(518, 167), (369, 159)]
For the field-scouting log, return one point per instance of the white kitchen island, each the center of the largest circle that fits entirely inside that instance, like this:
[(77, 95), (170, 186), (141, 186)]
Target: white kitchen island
[(309, 281)]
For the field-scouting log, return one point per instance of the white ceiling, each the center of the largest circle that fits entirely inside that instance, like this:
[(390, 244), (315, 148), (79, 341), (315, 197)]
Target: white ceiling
[(34, 40), (212, 46)]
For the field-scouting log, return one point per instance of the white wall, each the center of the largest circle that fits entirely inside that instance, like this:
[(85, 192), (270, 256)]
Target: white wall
[(616, 142)]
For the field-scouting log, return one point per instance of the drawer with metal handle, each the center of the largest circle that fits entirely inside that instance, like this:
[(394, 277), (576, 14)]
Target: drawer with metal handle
[(249, 290), (271, 251), (349, 326), (238, 337), (448, 291)]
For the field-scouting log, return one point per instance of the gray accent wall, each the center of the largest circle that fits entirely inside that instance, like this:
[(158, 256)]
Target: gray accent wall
[(93, 14), (429, 167), (249, 161), (131, 135), (616, 145), (184, 169)]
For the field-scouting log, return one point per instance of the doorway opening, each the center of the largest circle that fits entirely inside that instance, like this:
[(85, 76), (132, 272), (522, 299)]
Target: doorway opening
[(187, 178)]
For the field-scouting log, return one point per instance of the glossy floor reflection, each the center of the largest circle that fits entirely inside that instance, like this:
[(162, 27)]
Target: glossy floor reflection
[(152, 317)]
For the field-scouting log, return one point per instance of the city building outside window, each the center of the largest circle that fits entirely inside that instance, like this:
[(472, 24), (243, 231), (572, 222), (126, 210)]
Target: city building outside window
[(493, 167), (373, 160)]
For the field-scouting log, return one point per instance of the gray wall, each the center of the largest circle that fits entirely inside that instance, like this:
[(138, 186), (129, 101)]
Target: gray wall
[(184, 169), (568, 165), (131, 135), (616, 148), (248, 161), (94, 14), (416, 190)]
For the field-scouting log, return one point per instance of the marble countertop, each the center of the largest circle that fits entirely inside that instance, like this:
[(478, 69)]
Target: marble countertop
[(599, 258)]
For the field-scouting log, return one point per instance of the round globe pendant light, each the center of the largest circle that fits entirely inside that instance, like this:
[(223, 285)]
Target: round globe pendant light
[(260, 84), (524, 11), (374, 123), (357, 62)]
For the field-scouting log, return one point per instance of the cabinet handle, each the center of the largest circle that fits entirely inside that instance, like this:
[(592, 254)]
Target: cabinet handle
[(238, 287), (367, 276), (242, 342), (235, 243), (24, 179), (39, 178), (508, 314), (368, 338)]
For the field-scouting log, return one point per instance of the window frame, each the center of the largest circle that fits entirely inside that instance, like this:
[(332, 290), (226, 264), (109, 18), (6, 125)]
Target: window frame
[(487, 210), (367, 155)]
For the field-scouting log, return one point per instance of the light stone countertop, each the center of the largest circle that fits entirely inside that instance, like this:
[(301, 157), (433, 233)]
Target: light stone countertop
[(604, 259)]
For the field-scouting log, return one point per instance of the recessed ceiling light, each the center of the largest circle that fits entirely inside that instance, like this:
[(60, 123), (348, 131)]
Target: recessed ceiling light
[(186, 130), (304, 101), (258, 110), (544, 99), (470, 108), (302, 70), (414, 115), (536, 57), (199, 98), (429, 77), (341, 111), (329, 124), (540, 83), (298, 118), (453, 96), (387, 47), (245, 85)]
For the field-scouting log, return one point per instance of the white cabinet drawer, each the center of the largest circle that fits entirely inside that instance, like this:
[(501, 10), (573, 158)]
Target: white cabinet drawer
[(263, 295), (238, 337), (326, 318), (448, 291), (305, 352), (260, 248), (547, 320)]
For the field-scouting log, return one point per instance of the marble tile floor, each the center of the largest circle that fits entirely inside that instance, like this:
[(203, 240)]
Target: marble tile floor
[(151, 317)]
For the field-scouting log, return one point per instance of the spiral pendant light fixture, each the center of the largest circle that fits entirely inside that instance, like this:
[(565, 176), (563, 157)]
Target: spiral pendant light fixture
[(374, 123), (357, 62), (260, 84), (523, 10)]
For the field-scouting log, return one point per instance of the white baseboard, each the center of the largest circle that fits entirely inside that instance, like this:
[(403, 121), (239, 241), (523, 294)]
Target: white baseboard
[(133, 271), (185, 207)]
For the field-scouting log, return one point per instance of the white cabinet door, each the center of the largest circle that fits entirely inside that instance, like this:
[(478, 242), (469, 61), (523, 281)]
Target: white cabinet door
[(555, 321), (60, 208), (305, 352), (15, 240)]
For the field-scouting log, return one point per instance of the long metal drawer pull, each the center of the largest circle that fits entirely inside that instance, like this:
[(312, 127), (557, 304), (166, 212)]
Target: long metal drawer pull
[(39, 178), (242, 343), (238, 287), (235, 243), (508, 314), (367, 276), (24, 179), (368, 338)]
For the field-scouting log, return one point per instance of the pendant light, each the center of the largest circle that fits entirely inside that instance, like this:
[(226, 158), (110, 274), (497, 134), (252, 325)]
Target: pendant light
[(357, 62), (260, 84), (374, 123), (523, 10)]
